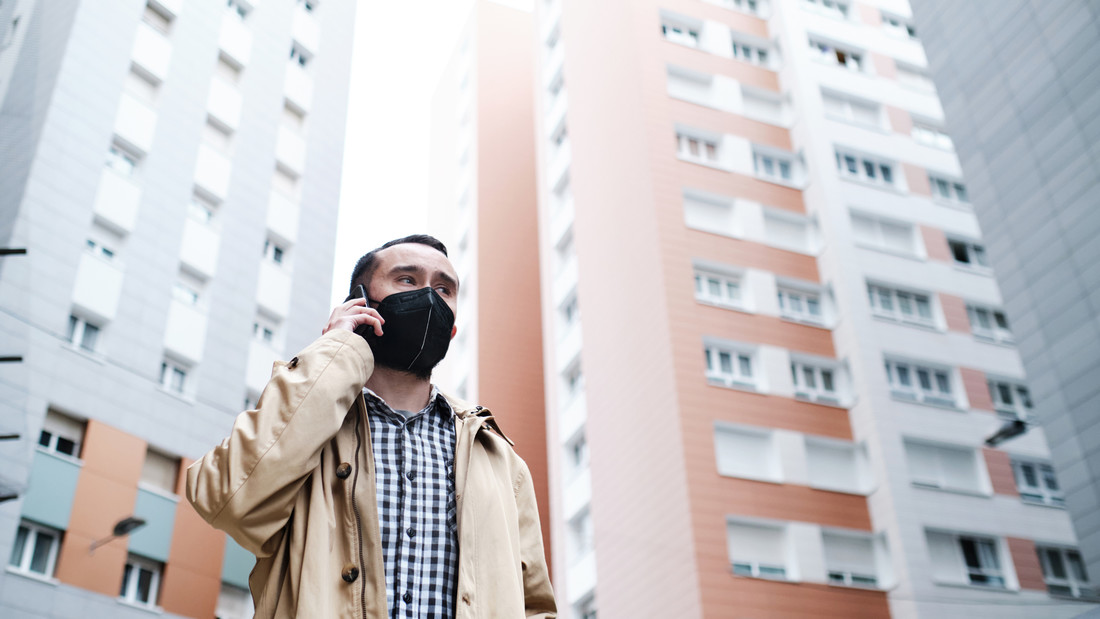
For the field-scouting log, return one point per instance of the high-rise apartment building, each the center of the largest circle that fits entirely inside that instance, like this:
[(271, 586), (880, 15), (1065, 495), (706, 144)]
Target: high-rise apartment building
[(774, 345), (483, 206), (1025, 122), (172, 169)]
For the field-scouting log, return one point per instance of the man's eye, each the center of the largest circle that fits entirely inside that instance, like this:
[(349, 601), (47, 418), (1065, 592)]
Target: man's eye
[(443, 291), (405, 279)]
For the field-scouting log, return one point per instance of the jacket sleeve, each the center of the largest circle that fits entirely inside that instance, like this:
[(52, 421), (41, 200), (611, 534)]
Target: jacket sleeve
[(538, 595), (247, 485)]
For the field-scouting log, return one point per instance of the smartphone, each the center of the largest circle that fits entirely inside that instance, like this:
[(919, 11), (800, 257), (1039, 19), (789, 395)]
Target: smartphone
[(366, 331)]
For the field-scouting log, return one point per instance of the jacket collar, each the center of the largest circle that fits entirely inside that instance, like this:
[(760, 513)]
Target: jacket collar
[(480, 415)]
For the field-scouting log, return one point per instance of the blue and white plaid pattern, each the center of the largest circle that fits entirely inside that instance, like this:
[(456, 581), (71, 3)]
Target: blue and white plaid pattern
[(414, 464)]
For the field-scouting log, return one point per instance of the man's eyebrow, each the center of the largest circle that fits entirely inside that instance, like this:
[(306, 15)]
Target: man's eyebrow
[(450, 281)]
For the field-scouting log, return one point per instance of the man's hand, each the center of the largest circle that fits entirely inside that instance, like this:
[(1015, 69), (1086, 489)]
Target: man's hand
[(351, 314)]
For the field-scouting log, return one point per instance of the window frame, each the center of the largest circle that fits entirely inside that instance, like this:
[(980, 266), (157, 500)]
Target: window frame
[(915, 392), (847, 113), (975, 254), (817, 393), (174, 376), (847, 575), (1041, 493), (708, 149), (681, 33), (35, 533), (785, 294), (995, 332), (880, 240), (1079, 585), (750, 568), (913, 298), (749, 52), (941, 481), (738, 357), (948, 190), (830, 8), (837, 56), (769, 166), (704, 279), (131, 577), (1020, 407), (78, 334), (882, 174), (56, 433)]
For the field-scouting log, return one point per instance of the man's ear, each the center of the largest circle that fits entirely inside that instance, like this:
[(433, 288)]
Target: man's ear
[(454, 330)]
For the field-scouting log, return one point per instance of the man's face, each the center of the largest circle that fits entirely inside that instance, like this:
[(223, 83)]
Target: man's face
[(412, 266)]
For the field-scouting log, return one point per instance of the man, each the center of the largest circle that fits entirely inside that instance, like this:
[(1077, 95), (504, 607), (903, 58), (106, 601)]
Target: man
[(362, 490)]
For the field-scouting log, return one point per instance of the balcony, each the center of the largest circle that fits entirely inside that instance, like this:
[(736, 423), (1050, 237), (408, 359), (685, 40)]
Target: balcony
[(305, 30), (186, 331), (298, 87), (98, 284), (199, 251), (116, 202), (136, 123), (224, 103), (282, 217), (152, 52), (573, 415), (273, 292), (169, 7), (290, 150), (212, 171), (581, 579), (235, 40), (577, 495)]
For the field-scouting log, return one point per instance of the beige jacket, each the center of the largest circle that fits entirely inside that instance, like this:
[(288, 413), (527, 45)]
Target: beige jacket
[(294, 484)]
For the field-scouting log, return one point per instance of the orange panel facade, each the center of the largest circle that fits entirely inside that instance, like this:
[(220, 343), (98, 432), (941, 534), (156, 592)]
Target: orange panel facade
[(916, 178), (1026, 560), (935, 243), (977, 390), (954, 312), (192, 576), (999, 465), (106, 491)]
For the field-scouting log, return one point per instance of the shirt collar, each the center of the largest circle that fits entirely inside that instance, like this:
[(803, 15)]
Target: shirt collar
[(436, 402)]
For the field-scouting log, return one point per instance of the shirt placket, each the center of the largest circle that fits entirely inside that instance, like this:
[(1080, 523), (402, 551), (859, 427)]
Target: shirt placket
[(409, 567)]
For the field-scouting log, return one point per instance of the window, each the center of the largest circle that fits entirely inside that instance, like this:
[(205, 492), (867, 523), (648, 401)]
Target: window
[(217, 135), (932, 385), (293, 117), (750, 53), (950, 191), (965, 559), (201, 208), (83, 333), (750, 6), (729, 367), (901, 305), (285, 183), (678, 33), (851, 110), (188, 289), (1011, 400), (160, 471), (309, 5), (789, 231), (141, 84), (836, 465), (141, 581), (832, 8), (157, 18), (864, 169), (697, 149), (757, 550), (121, 160), (884, 235), (574, 381), (35, 549), (915, 78), (814, 382), (578, 453), (989, 324), (580, 530), (97, 248), (1037, 483), (827, 53), (943, 467), (173, 376), (718, 289), (772, 167), (274, 251), (265, 329), (850, 559), (61, 434), (299, 54), (560, 135), (237, 8), (932, 136), (968, 253), (587, 608), (1064, 572), (746, 452), (800, 305), (898, 27), (570, 311)]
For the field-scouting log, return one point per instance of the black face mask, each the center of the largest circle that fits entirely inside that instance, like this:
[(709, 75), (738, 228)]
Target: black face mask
[(417, 332)]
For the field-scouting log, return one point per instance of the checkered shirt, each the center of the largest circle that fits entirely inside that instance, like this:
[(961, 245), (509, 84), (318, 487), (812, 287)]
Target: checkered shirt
[(414, 464)]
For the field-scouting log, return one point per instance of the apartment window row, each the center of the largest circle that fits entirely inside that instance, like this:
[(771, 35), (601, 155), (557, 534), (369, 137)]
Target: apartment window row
[(899, 27), (766, 550), (755, 453), (815, 380), (841, 57), (726, 290), (864, 168), (680, 33), (966, 559)]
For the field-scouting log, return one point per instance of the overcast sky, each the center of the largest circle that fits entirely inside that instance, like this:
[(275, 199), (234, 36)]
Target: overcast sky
[(401, 48)]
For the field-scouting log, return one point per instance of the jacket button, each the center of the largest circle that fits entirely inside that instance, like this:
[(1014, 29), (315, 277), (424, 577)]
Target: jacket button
[(343, 470), (466, 598), (350, 573), (293, 363)]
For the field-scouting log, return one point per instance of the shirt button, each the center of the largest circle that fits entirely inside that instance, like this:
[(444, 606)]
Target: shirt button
[(411, 531), (350, 573), (410, 475), (408, 597), (343, 470)]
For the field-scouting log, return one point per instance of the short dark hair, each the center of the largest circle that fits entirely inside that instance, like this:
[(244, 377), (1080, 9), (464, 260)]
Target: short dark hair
[(364, 269)]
